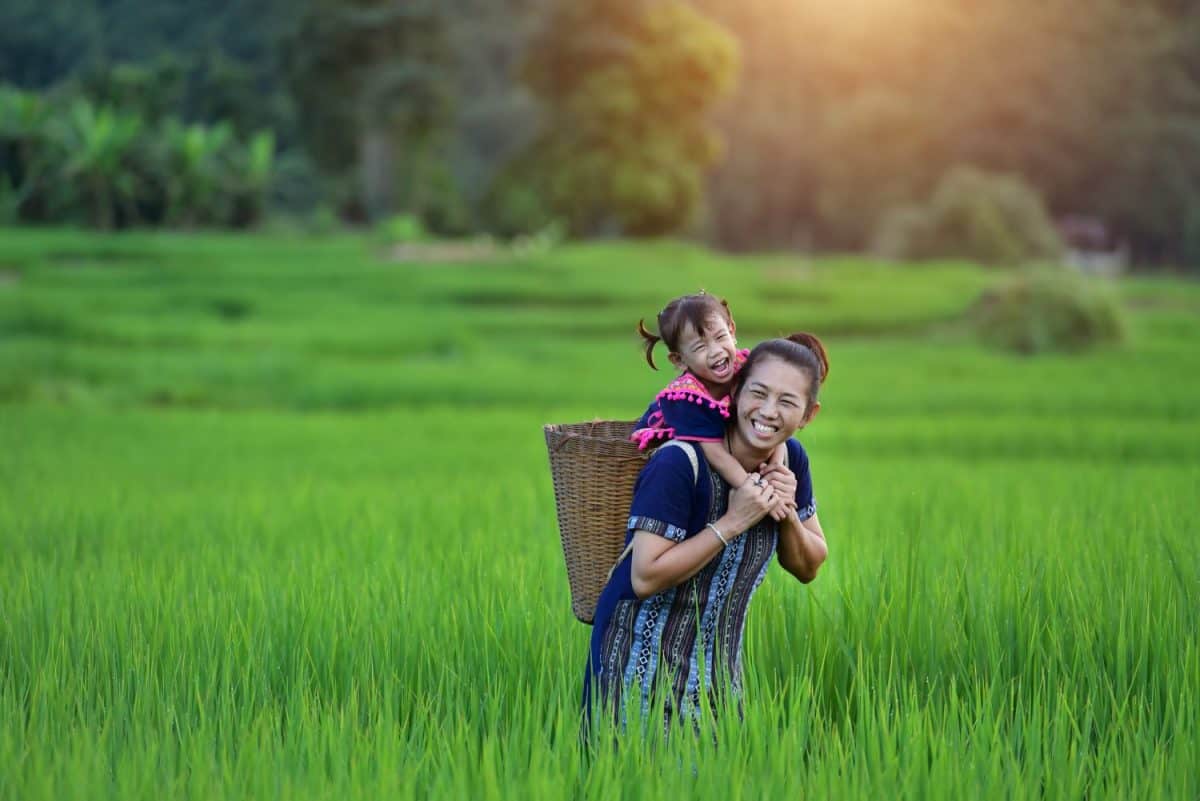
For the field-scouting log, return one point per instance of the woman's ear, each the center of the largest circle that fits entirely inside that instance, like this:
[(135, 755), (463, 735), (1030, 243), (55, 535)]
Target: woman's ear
[(813, 408)]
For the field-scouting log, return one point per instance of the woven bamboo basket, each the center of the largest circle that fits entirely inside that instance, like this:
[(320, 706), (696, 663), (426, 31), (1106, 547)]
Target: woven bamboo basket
[(594, 466)]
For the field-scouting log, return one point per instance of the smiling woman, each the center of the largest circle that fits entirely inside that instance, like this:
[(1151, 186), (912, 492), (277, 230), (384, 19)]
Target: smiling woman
[(668, 626)]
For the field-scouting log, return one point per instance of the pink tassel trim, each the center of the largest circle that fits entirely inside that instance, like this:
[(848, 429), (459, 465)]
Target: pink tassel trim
[(645, 437), (697, 397)]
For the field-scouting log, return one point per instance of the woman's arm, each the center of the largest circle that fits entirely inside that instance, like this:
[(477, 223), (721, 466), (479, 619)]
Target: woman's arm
[(659, 564), (802, 547)]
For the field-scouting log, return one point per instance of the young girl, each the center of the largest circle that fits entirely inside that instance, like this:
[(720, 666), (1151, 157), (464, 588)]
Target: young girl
[(698, 331)]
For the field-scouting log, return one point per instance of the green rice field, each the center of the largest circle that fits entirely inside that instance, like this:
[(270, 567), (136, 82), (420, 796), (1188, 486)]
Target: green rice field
[(276, 522)]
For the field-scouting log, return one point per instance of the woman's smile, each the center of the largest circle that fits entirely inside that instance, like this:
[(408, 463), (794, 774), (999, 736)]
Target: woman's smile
[(762, 434), (772, 404), (763, 428)]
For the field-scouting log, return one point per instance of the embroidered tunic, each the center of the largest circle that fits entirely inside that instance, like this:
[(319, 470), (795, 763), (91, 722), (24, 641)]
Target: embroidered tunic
[(685, 640), (686, 410)]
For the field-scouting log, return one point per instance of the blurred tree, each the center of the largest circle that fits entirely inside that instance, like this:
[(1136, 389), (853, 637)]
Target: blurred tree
[(372, 82), (98, 147), (1152, 137), (496, 115), (229, 55), (196, 164), (626, 87), (252, 172), (25, 165), (153, 89), (986, 217), (844, 110), (879, 154), (156, 58), (41, 43), (65, 158)]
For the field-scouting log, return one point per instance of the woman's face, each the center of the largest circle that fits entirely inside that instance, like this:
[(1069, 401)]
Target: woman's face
[(773, 403)]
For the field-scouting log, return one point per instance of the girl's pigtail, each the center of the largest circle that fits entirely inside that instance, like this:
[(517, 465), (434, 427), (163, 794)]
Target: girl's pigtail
[(814, 344), (649, 341)]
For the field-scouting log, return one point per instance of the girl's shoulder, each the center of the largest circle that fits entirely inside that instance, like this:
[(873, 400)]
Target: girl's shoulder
[(684, 410), (687, 387)]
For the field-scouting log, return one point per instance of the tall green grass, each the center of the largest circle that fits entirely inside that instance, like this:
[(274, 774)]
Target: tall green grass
[(308, 549)]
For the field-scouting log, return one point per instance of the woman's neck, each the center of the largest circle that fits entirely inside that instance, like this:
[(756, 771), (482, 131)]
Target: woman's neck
[(748, 456)]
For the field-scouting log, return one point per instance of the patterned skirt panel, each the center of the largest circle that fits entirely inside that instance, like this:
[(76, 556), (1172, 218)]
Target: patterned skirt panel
[(686, 642)]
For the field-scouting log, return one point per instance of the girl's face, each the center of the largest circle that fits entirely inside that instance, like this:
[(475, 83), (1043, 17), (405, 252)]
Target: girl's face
[(710, 354), (773, 403)]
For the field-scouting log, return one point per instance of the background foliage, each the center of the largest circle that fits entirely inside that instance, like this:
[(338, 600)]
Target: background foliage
[(627, 87), (837, 115), (844, 110), (274, 506), (993, 219)]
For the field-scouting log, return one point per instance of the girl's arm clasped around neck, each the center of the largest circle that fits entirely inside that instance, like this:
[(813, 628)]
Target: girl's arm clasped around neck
[(659, 564), (735, 475), (724, 463)]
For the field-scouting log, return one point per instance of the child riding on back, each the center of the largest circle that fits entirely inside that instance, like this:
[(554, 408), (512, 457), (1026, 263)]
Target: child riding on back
[(698, 331)]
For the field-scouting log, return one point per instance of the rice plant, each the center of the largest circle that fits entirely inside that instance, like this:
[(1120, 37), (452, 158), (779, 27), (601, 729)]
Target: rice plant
[(309, 550)]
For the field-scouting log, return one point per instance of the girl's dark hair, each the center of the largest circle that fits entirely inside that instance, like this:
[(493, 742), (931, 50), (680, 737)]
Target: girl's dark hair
[(676, 316), (802, 350)]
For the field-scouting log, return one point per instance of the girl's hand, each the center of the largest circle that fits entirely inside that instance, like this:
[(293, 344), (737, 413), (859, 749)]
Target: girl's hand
[(783, 481), (750, 502), (781, 508)]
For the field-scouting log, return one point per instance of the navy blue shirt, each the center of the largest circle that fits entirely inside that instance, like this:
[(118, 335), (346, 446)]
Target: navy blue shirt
[(632, 637)]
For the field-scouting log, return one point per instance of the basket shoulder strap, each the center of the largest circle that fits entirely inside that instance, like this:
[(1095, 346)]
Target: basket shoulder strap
[(687, 448), (690, 450), (628, 550)]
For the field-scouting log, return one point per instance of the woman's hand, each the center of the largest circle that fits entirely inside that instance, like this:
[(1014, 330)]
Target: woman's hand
[(659, 563), (783, 481), (749, 502)]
